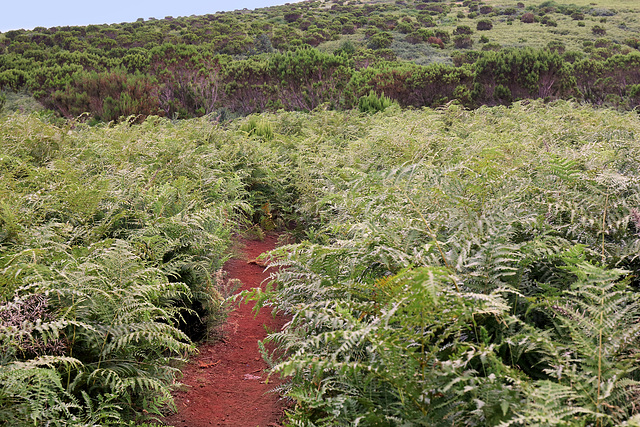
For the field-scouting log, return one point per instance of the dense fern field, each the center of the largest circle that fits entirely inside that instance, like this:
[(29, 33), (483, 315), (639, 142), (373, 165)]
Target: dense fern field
[(451, 266), (112, 241), (464, 268)]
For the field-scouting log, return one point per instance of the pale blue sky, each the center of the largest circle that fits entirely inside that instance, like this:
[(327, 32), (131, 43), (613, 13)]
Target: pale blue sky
[(28, 14)]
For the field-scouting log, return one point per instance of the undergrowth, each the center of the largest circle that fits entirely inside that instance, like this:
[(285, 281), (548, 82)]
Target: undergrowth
[(454, 267), (112, 240), (464, 268)]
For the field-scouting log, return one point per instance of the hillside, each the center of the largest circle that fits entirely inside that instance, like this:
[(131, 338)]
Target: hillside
[(302, 55)]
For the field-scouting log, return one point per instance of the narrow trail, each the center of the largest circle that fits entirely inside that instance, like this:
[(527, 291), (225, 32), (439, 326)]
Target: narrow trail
[(226, 380)]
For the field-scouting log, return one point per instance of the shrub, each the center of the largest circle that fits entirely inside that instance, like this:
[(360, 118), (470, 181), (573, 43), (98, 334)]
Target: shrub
[(633, 90), (405, 27), (371, 31), (425, 19), (292, 17), (435, 41), (572, 56), (484, 25), (462, 30), (600, 43), (556, 46), (462, 42), (464, 57), (526, 72), (502, 93), (633, 42), (346, 48), (485, 10), (598, 30), (381, 40), (528, 18), (437, 9), (420, 35), (348, 29)]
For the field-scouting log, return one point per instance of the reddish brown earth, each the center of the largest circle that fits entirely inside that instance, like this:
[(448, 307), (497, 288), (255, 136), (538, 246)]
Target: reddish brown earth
[(226, 380)]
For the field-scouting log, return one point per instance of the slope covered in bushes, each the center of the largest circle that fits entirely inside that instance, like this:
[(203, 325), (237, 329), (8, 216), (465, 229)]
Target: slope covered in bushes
[(301, 55)]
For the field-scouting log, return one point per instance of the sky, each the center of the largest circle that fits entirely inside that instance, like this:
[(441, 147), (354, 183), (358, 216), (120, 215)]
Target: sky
[(28, 14)]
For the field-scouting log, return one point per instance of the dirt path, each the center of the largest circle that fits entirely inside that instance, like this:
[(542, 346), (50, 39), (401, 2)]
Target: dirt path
[(226, 380)]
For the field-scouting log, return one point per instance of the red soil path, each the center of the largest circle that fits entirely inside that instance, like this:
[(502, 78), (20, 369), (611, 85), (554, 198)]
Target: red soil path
[(226, 380)]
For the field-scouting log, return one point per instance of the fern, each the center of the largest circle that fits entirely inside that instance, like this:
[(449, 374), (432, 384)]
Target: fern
[(458, 240), (373, 103), (599, 324)]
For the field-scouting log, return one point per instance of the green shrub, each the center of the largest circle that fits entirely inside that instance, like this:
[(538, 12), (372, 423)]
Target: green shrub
[(502, 93), (556, 46), (463, 42), (484, 25), (462, 30), (346, 48), (381, 40), (633, 42), (598, 30)]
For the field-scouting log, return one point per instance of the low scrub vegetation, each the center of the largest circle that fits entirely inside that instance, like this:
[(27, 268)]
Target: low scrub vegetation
[(471, 259), (292, 57)]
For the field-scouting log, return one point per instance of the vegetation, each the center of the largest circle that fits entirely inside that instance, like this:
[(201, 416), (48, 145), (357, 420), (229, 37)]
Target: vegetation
[(291, 57), (472, 263), (373, 103), (473, 266), (464, 267), (112, 241)]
